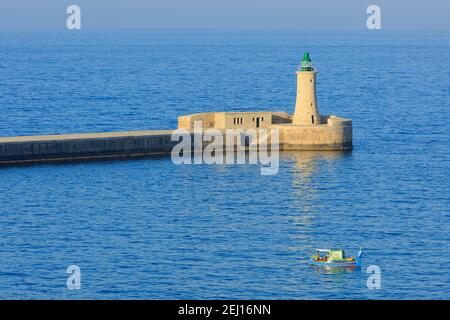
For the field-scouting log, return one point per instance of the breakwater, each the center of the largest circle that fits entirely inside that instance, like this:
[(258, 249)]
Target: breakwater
[(336, 134), (29, 149)]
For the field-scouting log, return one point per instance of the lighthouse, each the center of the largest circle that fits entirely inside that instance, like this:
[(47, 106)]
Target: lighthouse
[(306, 109)]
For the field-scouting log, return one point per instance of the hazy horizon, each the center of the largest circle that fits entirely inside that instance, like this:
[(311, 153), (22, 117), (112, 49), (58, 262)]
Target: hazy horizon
[(318, 15)]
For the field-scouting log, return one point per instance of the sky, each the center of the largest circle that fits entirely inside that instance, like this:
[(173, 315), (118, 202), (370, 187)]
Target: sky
[(293, 14)]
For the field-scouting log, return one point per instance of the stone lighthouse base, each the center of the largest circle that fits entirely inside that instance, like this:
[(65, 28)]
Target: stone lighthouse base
[(334, 133)]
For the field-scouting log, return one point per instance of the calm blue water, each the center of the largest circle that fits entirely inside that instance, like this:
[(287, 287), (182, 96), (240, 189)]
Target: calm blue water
[(150, 229)]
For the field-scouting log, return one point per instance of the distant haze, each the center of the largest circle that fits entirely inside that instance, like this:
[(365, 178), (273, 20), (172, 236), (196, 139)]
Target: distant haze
[(296, 14)]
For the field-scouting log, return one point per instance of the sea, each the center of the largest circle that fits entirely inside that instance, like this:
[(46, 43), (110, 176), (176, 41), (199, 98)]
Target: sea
[(150, 229)]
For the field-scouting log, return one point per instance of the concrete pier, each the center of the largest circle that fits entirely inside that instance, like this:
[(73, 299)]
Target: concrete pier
[(333, 134), (29, 149)]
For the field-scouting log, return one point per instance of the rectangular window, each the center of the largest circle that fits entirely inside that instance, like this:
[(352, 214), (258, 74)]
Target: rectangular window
[(312, 119)]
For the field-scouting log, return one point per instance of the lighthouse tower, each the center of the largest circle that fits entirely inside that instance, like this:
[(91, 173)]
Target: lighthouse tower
[(306, 109)]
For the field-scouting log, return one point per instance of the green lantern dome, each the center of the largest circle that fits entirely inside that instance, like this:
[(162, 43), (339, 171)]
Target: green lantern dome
[(306, 64)]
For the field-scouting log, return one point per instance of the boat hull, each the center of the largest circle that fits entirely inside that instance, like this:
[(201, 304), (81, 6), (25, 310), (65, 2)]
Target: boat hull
[(353, 264)]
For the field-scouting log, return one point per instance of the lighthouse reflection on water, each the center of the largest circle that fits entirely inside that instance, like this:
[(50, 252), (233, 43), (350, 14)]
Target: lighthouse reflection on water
[(312, 173)]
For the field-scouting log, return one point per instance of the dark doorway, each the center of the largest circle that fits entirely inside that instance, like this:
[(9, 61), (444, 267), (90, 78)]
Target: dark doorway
[(257, 122), (312, 119)]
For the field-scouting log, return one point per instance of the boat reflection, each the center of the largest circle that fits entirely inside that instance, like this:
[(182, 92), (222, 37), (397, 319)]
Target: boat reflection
[(335, 270)]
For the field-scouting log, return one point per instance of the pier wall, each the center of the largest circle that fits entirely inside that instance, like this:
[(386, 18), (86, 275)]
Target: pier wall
[(334, 133), (85, 146)]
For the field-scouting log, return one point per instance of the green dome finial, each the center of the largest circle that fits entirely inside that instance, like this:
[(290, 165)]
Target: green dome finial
[(306, 57), (306, 64)]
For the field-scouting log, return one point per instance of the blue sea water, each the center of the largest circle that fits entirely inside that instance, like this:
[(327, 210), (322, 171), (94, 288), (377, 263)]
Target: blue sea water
[(150, 229)]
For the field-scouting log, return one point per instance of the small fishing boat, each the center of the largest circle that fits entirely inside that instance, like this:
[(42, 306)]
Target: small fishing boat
[(335, 258)]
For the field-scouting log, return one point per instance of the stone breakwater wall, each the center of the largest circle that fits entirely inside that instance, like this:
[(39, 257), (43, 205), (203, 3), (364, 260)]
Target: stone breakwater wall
[(334, 134), (31, 149)]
